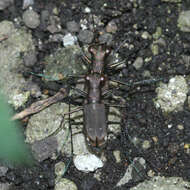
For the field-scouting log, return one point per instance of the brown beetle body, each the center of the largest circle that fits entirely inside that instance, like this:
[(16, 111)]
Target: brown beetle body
[(95, 117), (95, 123)]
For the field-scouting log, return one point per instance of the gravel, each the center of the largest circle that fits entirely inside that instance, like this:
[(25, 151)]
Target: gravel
[(31, 19), (5, 3), (86, 36), (184, 21)]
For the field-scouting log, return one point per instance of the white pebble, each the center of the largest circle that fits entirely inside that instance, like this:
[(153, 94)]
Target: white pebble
[(69, 40), (87, 162)]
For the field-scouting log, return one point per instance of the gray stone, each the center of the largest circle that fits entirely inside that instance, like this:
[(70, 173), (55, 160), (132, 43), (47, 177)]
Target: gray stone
[(155, 49), (5, 186), (135, 171), (79, 144), (31, 19), (146, 74), (111, 27), (11, 64), (3, 171), (47, 123), (160, 41), (73, 26), (44, 19), (138, 63), (56, 38), (106, 38), (158, 33), (54, 24), (65, 184), (64, 62), (127, 176), (30, 59), (172, 1), (5, 3), (45, 148), (163, 183), (171, 96), (86, 36), (60, 169), (184, 21)]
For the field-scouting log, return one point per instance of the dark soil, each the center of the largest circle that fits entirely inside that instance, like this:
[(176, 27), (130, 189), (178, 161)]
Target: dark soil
[(141, 119)]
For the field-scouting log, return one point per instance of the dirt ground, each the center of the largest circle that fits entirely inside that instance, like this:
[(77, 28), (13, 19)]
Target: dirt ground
[(166, 155)]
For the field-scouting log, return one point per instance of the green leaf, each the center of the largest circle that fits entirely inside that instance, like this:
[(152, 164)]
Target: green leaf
[(13, 149)]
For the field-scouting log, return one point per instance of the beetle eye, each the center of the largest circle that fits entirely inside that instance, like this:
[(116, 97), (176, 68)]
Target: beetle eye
[(108, 51), (102, 78), (91, 49)]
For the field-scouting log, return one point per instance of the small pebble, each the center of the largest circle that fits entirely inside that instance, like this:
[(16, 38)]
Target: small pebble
[(5, 186), (69, 40), (44, 19), (73, 26), (146, 145), (34, 89), (155, 139), (117, 156), (184, 21), (180, 127), (87, 162), (161, 42), (30, 59), (135, 141), (86, 36), (65, 184), (188, 101), (146, 74), (171, 96), (138, 63), (111, 27), (186, 146), (59, 168), (54, 25), (5, 3), (87, 10), (56, 38), (3, 171), (154, 49), (79, 144), (145, 35), (31, 19), (27, 3), (172, 1), (106, 38), (150, 173), (163, 183), (158, 33)]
